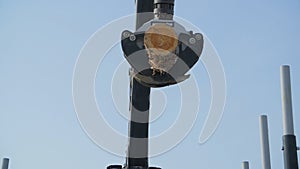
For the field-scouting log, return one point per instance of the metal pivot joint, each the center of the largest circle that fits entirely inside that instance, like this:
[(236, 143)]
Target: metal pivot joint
[(164, 9)]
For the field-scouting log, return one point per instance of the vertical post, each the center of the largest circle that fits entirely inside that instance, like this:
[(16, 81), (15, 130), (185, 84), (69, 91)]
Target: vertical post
[(138, 129), (5, 163), (245, 165), (137, 154), (289, 139), (286, 98), (264, 141)]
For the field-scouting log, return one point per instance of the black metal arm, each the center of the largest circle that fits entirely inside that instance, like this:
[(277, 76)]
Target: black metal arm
[(187, 52)]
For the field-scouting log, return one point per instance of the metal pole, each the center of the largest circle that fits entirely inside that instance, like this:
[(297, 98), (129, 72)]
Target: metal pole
[(245, 165), (264, 141), (286, 97), (5, 163), (289, 139), (137, 154)]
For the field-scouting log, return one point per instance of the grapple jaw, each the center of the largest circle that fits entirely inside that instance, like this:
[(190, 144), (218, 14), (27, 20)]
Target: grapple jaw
[(187, 52)]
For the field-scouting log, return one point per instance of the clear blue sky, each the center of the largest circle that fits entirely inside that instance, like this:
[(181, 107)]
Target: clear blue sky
[(39, 45)]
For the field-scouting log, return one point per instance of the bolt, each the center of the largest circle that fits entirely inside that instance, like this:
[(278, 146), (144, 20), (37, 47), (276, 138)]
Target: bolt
[(192, 40), (132, 37), (126, 34), (198, 36)]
